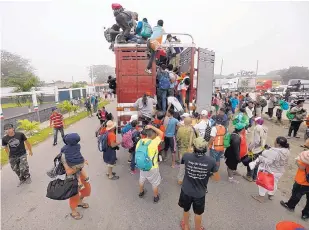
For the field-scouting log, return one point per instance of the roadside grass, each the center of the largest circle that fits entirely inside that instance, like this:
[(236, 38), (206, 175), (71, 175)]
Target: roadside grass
[(14, 105), (43, 134)]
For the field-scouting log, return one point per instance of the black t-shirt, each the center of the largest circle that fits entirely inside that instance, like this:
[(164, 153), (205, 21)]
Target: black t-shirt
[(16, 144), (198, 169)]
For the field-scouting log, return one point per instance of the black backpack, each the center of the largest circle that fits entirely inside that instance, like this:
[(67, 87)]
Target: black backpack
[(62, 189), (207, 132), (58, 168)]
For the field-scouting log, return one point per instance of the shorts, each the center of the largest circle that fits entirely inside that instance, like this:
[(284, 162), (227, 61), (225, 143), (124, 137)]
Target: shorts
[(216, 154), (153, 176), (170, 142), (186, 201)]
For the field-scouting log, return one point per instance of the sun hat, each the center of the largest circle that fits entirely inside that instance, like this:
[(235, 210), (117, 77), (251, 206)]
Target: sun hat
[(204, 113), (110, 125), (200, 143)]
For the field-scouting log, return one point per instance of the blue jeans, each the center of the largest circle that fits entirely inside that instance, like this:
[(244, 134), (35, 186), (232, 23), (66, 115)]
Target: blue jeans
[(132, 165), (216, 155), (162, 94), (56, 134)]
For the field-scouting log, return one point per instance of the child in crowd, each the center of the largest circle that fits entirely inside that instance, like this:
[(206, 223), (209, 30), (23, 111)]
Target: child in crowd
[(136, 136), (72, 156)]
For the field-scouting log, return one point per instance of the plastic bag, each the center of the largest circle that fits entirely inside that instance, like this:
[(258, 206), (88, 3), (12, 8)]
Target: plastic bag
[(266, 180)]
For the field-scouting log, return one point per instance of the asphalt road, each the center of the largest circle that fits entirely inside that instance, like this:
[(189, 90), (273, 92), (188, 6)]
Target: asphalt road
[(115, 205), (12, 112)]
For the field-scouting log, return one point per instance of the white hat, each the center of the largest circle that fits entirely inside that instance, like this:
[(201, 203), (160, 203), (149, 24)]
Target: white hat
[(134, 118), (204, 112), (110, 125), (185, 115)]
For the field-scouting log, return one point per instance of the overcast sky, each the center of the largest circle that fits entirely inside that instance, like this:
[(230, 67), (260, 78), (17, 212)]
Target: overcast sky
[(63, 37)]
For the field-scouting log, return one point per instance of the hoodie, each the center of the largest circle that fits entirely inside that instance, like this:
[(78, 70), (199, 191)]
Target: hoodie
[(71, 150), (275, 159)]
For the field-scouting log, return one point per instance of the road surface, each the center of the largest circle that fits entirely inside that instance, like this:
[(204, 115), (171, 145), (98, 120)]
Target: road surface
[(12, 112), (115, 205)]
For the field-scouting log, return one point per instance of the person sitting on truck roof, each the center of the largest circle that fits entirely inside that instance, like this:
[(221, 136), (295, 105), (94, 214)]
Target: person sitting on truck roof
[(154, 43), (145, 106), (143, 29)]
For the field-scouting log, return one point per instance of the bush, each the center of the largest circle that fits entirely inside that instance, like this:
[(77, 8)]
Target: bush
[(28, 126), (66, 106)]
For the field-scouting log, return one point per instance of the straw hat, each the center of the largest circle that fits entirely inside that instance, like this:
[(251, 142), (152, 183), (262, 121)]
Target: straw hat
[(110, 125)]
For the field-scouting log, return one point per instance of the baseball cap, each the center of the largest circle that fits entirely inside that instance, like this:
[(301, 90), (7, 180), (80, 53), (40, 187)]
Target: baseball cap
[(7, 126), (134, 118), (204, 112), (185, 115), (200, 143)]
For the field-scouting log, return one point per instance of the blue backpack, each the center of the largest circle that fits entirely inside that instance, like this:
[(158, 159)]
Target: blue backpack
[(284, 105), (102, 142), (126, 128), (164, 80), (142, 160), (146, 30)]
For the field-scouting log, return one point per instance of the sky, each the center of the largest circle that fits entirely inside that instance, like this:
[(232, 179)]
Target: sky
[(63, 37)]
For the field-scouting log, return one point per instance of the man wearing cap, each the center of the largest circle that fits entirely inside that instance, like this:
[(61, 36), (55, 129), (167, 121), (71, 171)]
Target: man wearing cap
[(183, 116), (198, 169), (57, 122), (202, 125), (14, 145)]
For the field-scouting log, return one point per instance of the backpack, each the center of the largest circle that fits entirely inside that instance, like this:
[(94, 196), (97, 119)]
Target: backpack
[(127, 139), (146, 30), (284, 105), (207, 132), (263, 102), (62, 189), (102, 142), (289, 115), (227, 140), (58, 168), (126, 128), (107, 35), (164, 80), (142, 160)]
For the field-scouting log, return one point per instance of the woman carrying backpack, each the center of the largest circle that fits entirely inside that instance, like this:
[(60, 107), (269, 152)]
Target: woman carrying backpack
[(232, 153)]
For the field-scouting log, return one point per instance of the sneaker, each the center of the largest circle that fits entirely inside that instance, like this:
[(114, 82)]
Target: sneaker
[(142, 194), (28, 180), (129, 161), (297, 136), (55, 144), (248, 178), (305, 217), (284, 204), (232, 180), (156, 199), (148, 71)]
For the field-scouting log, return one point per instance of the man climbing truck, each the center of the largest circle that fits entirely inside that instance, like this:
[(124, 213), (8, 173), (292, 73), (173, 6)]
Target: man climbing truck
[(133, 82)]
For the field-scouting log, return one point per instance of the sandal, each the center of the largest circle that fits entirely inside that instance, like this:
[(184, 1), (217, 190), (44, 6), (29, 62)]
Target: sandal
[(112, 173), (182, 224), (114, 177), (77, 216), (83, 205)]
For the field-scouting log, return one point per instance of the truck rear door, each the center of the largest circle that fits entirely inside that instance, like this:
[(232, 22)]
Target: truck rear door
[(205, 76)]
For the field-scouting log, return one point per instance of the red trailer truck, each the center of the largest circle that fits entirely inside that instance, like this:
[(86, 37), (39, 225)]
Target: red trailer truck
[(133, 81)]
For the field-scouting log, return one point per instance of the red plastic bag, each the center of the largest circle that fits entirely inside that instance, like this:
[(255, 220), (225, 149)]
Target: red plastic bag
[(266, 180), (116, 6)]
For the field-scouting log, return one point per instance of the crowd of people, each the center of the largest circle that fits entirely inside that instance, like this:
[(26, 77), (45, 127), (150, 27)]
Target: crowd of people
[(196, 142)]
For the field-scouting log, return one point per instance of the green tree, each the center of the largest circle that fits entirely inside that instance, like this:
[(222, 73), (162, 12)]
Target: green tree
[(100, 73), (79, 84), (17, 72), (66, 106), (294, 72)]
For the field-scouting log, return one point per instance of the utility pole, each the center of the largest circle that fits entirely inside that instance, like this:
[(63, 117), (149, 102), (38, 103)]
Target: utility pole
[(221, 67), (72, 79), (92, 81), (257, 68)]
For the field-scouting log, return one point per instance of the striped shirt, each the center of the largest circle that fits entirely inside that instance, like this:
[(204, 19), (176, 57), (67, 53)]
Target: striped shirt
[(57, 120)]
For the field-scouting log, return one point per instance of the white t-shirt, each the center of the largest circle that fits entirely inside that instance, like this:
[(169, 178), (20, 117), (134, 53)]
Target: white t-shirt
[(249, 112), (182, 85), (201, 126)]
